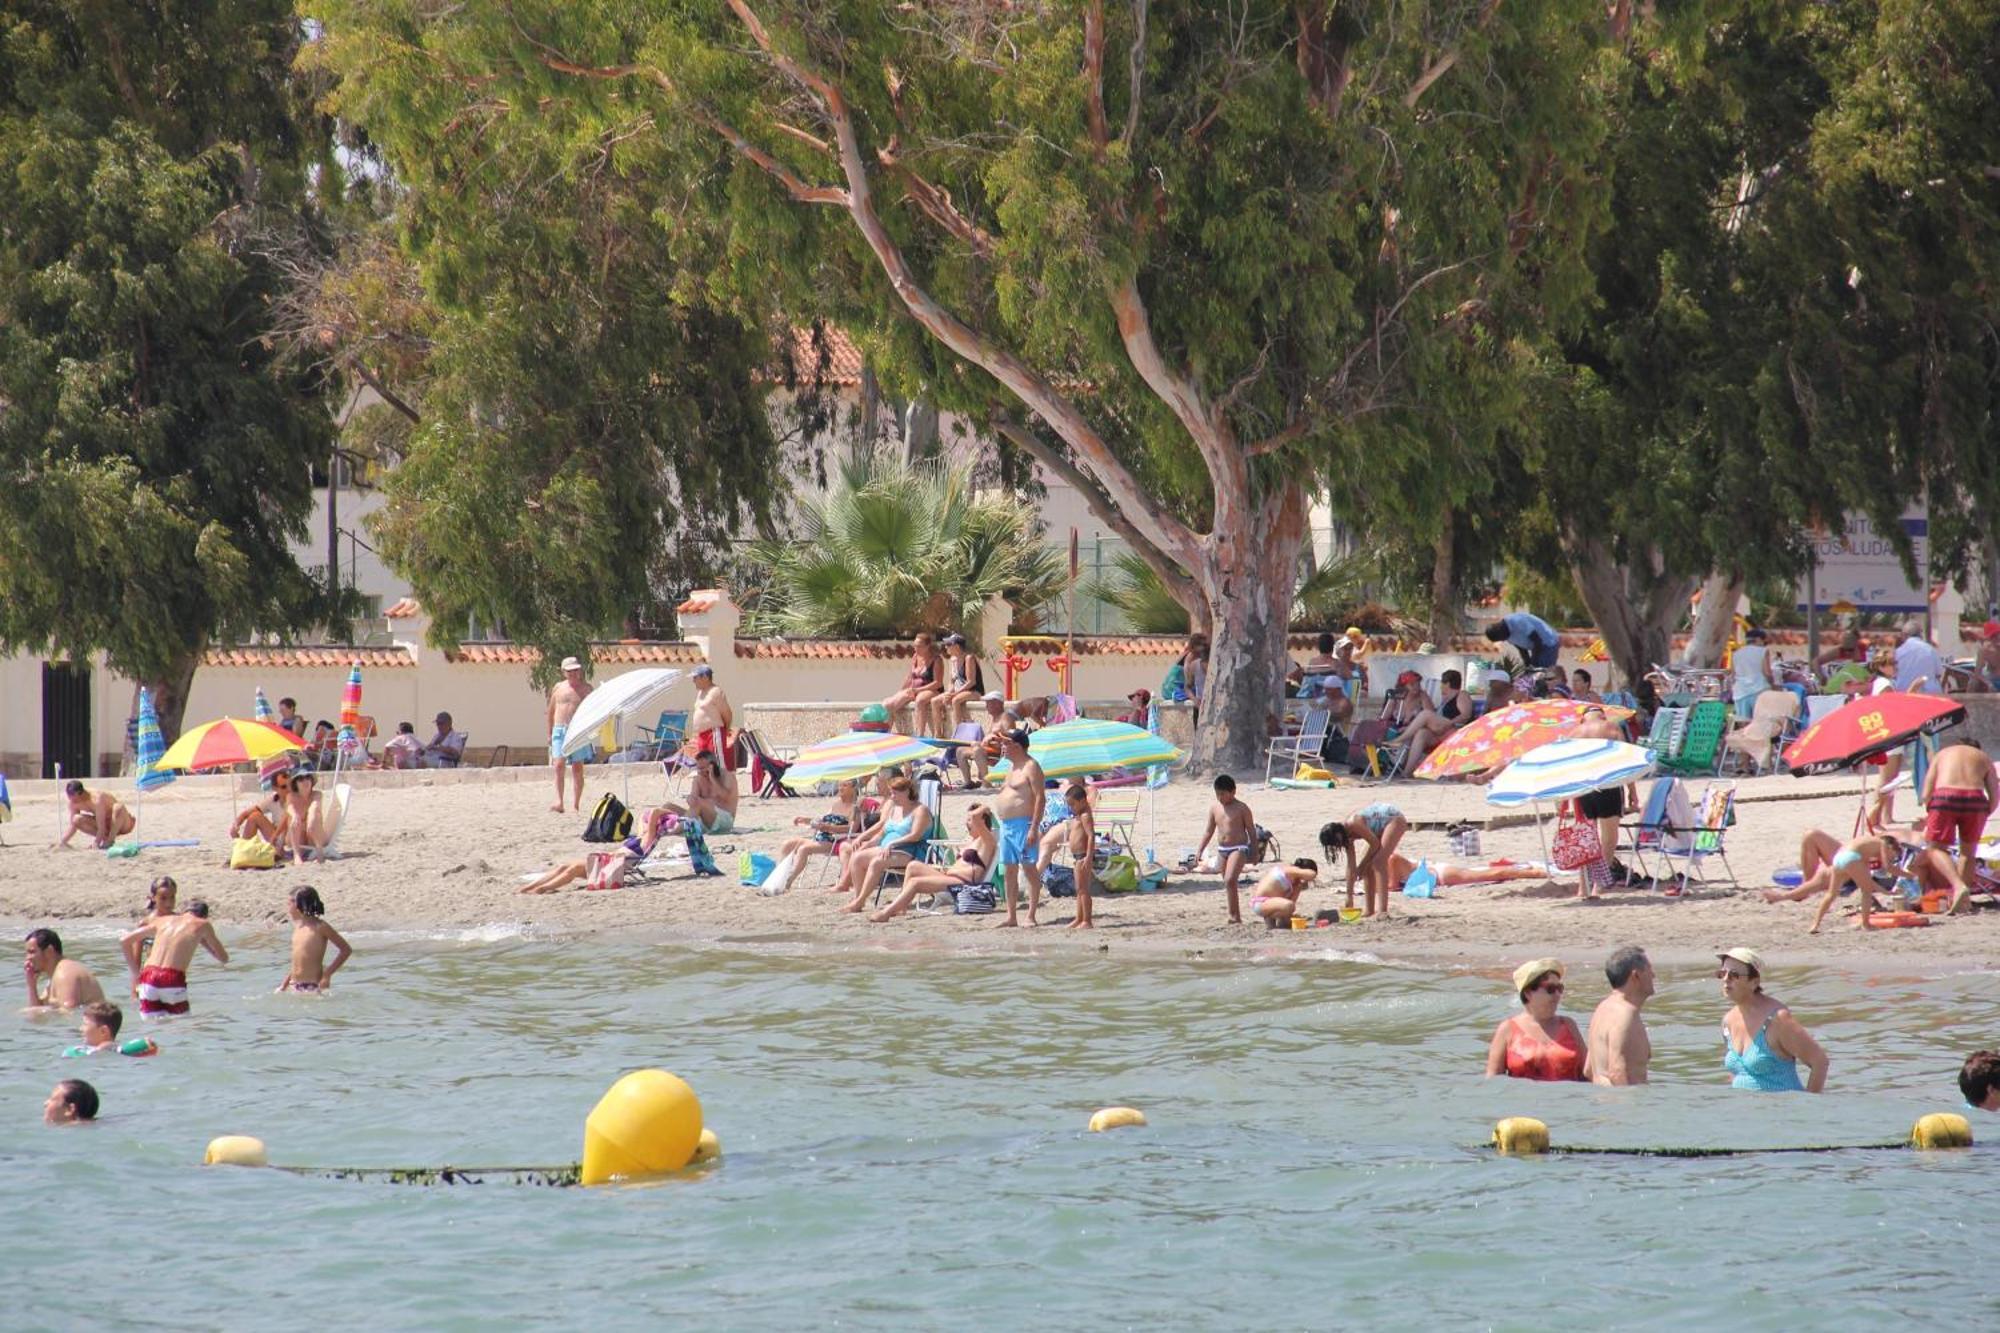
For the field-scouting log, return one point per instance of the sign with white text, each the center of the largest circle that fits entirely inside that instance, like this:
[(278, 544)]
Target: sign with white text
[(1862, 569)]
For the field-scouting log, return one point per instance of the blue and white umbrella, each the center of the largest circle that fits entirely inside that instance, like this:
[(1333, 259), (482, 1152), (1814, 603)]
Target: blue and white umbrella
[(148, 745), (1562, 769)]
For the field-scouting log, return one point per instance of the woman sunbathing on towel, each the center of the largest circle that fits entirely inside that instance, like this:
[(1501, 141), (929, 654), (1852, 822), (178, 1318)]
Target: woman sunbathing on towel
[(974, 864), (1493, 872)]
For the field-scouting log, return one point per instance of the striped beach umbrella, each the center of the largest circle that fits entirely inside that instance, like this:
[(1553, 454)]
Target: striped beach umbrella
[(855, 754), (1562, 769), (228, 741), (1092, 745), (264, 713), (350, 709), (277, 763), (149, 745), (1502, 735)]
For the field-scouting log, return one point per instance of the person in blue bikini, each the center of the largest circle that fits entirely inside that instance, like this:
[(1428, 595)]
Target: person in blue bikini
[(1378, 828), (1849, 869), (1762, 1044)]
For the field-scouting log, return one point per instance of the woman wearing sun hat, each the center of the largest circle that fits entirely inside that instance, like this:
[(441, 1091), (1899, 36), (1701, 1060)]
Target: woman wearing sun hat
[(1762, 1044), (1538, 1043)]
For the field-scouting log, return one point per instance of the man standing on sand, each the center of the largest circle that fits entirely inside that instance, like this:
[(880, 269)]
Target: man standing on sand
[(70, 985), (161, 985), (564, 700), (1960, 791), (1618, 1049), (711, 719), (1018, 807)]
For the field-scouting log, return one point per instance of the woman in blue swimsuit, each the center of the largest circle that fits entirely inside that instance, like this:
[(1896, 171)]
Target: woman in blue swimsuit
[(1377, 829), (1762, 1044)]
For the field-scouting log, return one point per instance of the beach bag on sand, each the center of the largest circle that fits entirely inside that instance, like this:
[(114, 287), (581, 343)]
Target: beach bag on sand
[(755, 868), (605, 870), (610, 822), (1422, 883), (1575, 845), (252, 854), (974, 900), (1059, 882), (1120, 875)]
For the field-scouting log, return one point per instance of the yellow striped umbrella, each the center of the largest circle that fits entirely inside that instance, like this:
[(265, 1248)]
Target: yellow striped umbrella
[(230, 740), (855, 754), (1093, 745)]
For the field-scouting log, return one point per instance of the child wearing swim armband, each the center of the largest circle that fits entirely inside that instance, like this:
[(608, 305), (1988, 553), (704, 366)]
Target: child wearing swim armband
[(1234, 831), (101, 1022), (310, 938)]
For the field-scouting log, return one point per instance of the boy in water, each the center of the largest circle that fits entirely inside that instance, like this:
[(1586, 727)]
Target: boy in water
[(101, 1022), (1233, 829), (161, 985), (1276, 897), (72, 1103), (310, 938)]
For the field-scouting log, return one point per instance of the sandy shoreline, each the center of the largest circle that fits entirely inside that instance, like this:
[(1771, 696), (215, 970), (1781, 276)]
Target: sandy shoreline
[(450, 853)]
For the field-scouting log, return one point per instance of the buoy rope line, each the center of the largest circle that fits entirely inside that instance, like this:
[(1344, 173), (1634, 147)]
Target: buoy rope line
[(556, 1176), (1554, 1149)]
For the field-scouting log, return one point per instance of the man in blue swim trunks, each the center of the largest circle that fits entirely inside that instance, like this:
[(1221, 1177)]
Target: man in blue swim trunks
[(1018, 808), (564, 700)]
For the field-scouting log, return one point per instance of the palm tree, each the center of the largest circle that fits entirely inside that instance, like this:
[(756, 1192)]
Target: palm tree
[(894, 546)]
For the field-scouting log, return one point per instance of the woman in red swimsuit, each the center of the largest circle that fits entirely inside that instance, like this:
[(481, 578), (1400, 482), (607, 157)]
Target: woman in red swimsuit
[(1537, 1043)]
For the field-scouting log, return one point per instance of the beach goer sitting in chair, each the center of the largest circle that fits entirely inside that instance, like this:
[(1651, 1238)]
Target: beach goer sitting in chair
[(842, 820), (404, 750), (447, 748), (305, 819), (894, 839), (973, 865), (1432, 724), (604, 869), (97, 813)]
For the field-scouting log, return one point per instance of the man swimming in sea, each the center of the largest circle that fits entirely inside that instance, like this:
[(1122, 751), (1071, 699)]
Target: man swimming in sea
[(161, 985)]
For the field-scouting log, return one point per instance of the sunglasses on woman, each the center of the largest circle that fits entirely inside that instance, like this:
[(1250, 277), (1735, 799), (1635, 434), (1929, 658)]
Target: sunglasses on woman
[(1552, 987), (1725, 974)]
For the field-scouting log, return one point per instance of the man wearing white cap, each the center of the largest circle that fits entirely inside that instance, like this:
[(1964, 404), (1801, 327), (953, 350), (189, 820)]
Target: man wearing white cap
[(564, 700)]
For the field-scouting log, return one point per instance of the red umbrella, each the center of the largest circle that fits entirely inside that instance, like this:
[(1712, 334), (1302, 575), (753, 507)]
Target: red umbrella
[(1869, 726)]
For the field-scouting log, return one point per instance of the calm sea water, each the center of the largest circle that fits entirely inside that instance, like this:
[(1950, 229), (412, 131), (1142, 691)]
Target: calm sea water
[(904, 1146)]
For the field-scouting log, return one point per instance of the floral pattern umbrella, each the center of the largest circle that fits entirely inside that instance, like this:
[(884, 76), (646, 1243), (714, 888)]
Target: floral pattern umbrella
[(1503, 735)]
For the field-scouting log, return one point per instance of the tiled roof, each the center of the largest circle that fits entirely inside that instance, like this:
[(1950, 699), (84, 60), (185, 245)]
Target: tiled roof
[(602, 654), (329, 658), (843, 365), (403, 608), (702, 599), (851, 649)]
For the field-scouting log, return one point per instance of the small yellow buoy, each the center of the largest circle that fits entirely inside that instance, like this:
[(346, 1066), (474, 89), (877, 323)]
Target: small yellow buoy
[(648, 1123), (1943, 1129), (707, 1149), (1116, 1117), (235, 1150), (1521, 1136)]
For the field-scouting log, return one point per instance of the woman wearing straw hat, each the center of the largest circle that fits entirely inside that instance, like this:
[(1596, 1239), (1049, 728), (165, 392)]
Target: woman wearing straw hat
[(1762, 1044), (1538, 1043)]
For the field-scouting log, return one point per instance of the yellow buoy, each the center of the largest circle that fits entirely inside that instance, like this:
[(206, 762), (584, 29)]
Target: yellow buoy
[(649, 1122), (707, 1149), (1116, 1117), (1943, 1129), (235, 1150), (1521, 1136)]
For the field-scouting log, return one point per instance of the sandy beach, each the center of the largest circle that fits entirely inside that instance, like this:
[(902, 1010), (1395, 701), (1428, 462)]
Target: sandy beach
[(449, 852)]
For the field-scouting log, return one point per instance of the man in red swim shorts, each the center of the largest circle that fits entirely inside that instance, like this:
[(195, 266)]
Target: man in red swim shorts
[(1960, 791), (161, 985)]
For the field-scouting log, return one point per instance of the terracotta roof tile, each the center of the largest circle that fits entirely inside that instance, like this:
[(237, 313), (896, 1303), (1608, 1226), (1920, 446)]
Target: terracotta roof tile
[(318, 658), (823, 649), (702, 599), (631, 652), (403, 608), (843, 358)]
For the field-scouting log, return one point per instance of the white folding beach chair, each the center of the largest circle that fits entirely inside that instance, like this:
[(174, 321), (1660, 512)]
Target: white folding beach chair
[(1303, 747), (342, 797)]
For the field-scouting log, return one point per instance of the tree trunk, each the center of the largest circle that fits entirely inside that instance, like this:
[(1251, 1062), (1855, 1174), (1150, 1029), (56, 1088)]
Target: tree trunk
[(1636, 608), (1247, 580), (1444, 584), (170, 694), (1719, 594)]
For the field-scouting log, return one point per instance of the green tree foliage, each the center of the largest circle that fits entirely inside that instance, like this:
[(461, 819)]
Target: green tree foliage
[(1180, 253), (895, 544), (154, 454), (582, 425)]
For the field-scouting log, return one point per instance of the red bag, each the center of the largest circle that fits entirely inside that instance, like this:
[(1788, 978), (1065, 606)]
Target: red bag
[(1576, 844)]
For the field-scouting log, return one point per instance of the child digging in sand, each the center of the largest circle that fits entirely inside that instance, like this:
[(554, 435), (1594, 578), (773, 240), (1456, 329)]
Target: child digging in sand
[(1233, 829), (310, 938), (1276, 897)]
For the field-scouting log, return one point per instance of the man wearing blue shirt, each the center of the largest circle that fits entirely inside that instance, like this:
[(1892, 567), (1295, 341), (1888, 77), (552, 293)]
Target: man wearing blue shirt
[(1531, 636)]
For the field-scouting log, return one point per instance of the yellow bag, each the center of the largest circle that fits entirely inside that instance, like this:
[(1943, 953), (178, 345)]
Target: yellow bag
[(252, 854), (1307, 773)]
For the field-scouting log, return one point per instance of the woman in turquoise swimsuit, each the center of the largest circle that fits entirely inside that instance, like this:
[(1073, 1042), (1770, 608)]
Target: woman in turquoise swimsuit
[(1377, 829), (1762, 1044), (904, 828)]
